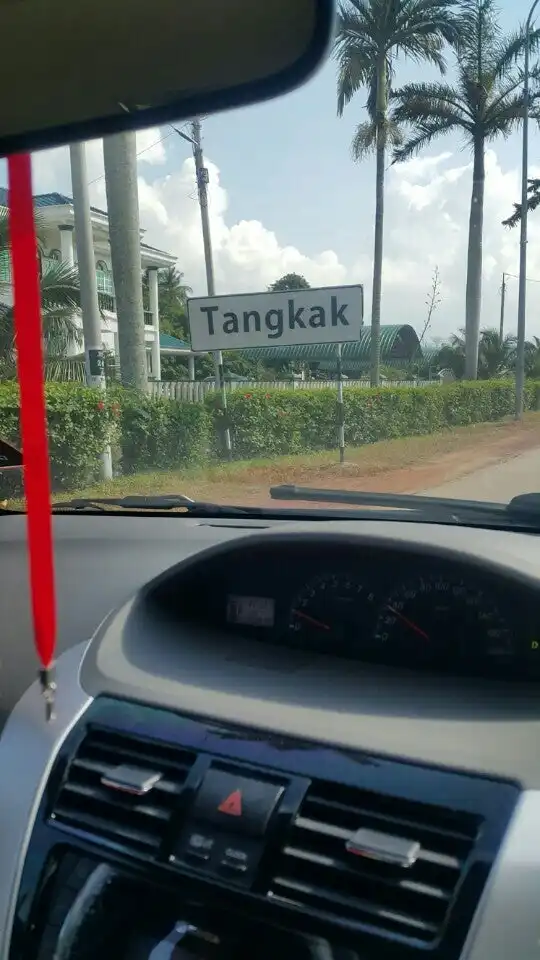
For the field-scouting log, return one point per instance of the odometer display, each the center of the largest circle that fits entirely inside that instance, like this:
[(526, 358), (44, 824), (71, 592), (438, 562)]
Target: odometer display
[(434, 620)]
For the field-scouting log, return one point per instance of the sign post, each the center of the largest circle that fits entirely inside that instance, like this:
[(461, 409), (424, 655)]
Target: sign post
[(340, 407), (281, 318)]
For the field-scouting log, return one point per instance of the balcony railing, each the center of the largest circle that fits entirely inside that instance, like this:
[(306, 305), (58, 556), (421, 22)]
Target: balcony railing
[(105, 286), (107, 302)]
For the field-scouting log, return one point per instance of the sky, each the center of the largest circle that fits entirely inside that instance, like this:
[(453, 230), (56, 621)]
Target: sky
[(285, 196)]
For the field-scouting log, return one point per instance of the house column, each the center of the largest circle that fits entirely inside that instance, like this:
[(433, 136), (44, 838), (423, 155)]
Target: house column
[(191, 366), (66, 243), (153, 292)]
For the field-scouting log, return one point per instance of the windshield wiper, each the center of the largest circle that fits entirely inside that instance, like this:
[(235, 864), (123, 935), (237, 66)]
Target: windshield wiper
[(364, 498), (524, 508), (187, 507), (521, 511), (173, 501)]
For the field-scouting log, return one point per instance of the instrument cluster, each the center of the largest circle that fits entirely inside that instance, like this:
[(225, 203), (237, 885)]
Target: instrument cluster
[(414, 613)]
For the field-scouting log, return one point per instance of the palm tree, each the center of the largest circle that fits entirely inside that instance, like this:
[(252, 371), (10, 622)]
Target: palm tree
[(496, 358), (532, 358), (485, 102), (60, 301), (371, 35), (173, 293)]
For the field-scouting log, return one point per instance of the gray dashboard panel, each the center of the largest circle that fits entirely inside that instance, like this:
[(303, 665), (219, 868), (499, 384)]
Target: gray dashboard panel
[(100, 562), (483, 726)]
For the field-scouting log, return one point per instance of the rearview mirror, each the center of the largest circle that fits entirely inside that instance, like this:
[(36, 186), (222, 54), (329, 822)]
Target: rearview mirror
[(75, 71)]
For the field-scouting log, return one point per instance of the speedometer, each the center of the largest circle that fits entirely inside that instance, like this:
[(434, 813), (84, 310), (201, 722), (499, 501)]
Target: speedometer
[(433, 620), (331, 613)]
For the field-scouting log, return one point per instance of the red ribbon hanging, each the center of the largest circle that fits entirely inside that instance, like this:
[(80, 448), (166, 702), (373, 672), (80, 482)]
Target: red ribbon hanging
[(29, 344)]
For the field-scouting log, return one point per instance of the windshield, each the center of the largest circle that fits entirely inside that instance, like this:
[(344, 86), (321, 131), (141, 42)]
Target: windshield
[(321, 291)]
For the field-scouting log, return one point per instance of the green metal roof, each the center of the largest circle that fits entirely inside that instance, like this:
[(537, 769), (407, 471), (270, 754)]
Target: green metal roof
[(397, 342), (166, 342), (430, 351)]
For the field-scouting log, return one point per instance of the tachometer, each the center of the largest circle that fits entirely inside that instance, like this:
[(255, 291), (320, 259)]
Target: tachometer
[(434, 620), (331, 613)]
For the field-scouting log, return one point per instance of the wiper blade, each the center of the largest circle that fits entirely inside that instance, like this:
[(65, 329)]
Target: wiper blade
[(401, 501), (174, 501)]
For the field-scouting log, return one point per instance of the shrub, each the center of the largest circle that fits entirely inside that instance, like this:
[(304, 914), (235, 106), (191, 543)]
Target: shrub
[(267, 423), (80, 424), (157, 433)]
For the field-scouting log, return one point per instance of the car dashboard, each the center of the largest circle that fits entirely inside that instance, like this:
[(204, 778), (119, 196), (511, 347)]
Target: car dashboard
[(316, 738), (370, 605)]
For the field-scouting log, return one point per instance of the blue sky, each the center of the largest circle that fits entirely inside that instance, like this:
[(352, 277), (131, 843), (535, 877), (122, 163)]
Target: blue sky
[(286, 195)]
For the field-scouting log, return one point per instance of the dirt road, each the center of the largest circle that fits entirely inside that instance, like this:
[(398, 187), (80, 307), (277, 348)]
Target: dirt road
[(421, 464)]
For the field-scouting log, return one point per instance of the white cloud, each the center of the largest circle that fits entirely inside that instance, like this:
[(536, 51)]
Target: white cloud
[(247, 256), (427, 219), (426, 225)]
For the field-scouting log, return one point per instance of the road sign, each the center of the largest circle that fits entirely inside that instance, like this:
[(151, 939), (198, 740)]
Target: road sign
[(283, 318)]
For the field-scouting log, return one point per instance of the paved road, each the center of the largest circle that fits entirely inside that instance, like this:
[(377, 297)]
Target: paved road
[(499, 482)]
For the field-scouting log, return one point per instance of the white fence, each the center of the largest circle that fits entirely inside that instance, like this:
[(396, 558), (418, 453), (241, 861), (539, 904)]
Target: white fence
[(195, 391)]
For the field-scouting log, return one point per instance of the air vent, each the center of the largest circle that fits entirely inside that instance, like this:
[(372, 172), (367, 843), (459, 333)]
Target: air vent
[(123, 789), (402, 881)]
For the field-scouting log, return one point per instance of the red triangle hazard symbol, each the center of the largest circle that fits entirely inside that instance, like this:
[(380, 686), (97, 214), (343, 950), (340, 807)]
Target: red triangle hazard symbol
[(232, 805)]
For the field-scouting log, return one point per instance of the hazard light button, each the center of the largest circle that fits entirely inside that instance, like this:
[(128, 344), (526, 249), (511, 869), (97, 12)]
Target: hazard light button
[(238, 804)]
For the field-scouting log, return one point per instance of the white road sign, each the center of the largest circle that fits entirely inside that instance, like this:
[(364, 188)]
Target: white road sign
[(242, 320)]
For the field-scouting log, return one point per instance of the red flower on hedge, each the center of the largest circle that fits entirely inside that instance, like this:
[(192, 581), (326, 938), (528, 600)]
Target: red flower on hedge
[(100, 405), (267, 396), (248, 396)]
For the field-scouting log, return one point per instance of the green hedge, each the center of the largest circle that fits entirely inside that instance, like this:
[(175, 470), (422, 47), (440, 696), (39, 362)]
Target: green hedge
[(153, 434), (271, 423), (156, 433), (80, 426)]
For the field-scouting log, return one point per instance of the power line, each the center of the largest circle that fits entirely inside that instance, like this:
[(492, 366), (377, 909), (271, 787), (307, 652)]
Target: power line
[(516, 277), (146, 149)]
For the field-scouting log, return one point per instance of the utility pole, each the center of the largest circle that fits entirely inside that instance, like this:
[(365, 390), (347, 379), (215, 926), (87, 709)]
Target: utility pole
[(91, 316), (201, 174), (522, 289), (120, 160), (503, 299)]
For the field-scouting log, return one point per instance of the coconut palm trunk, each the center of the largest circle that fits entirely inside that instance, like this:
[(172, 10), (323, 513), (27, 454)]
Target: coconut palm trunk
[(473, 291)]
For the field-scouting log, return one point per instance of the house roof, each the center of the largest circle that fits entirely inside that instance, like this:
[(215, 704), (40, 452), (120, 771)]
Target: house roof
[(167, 342), (56, 199), (398, 342)]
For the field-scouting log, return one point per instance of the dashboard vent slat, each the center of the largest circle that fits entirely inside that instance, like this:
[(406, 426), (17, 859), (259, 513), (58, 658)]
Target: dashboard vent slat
[(315, 871), (138, 822)]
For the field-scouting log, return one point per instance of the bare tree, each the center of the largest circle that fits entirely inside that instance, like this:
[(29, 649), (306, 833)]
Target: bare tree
[(433, 300)]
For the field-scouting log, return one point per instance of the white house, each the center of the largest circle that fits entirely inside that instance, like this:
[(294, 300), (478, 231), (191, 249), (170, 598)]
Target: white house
[(56, 213)]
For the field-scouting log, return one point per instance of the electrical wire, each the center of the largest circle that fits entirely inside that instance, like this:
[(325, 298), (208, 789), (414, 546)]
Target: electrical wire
[(145, 150)]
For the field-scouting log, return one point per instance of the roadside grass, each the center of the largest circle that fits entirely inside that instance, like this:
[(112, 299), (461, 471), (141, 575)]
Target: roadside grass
[(215, 480)]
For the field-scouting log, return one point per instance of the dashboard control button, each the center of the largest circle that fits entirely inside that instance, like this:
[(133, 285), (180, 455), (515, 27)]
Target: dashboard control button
[(236, 803), (220, 854), (199, 846), (235, 859)]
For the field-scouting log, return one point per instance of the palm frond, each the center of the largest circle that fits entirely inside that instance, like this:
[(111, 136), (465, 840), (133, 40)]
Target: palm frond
[(480, 37), (373, 32), (60, 287), (39, 221), (61, 332), (62, 369), (533, 189), (511, 52), (418, 100)]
